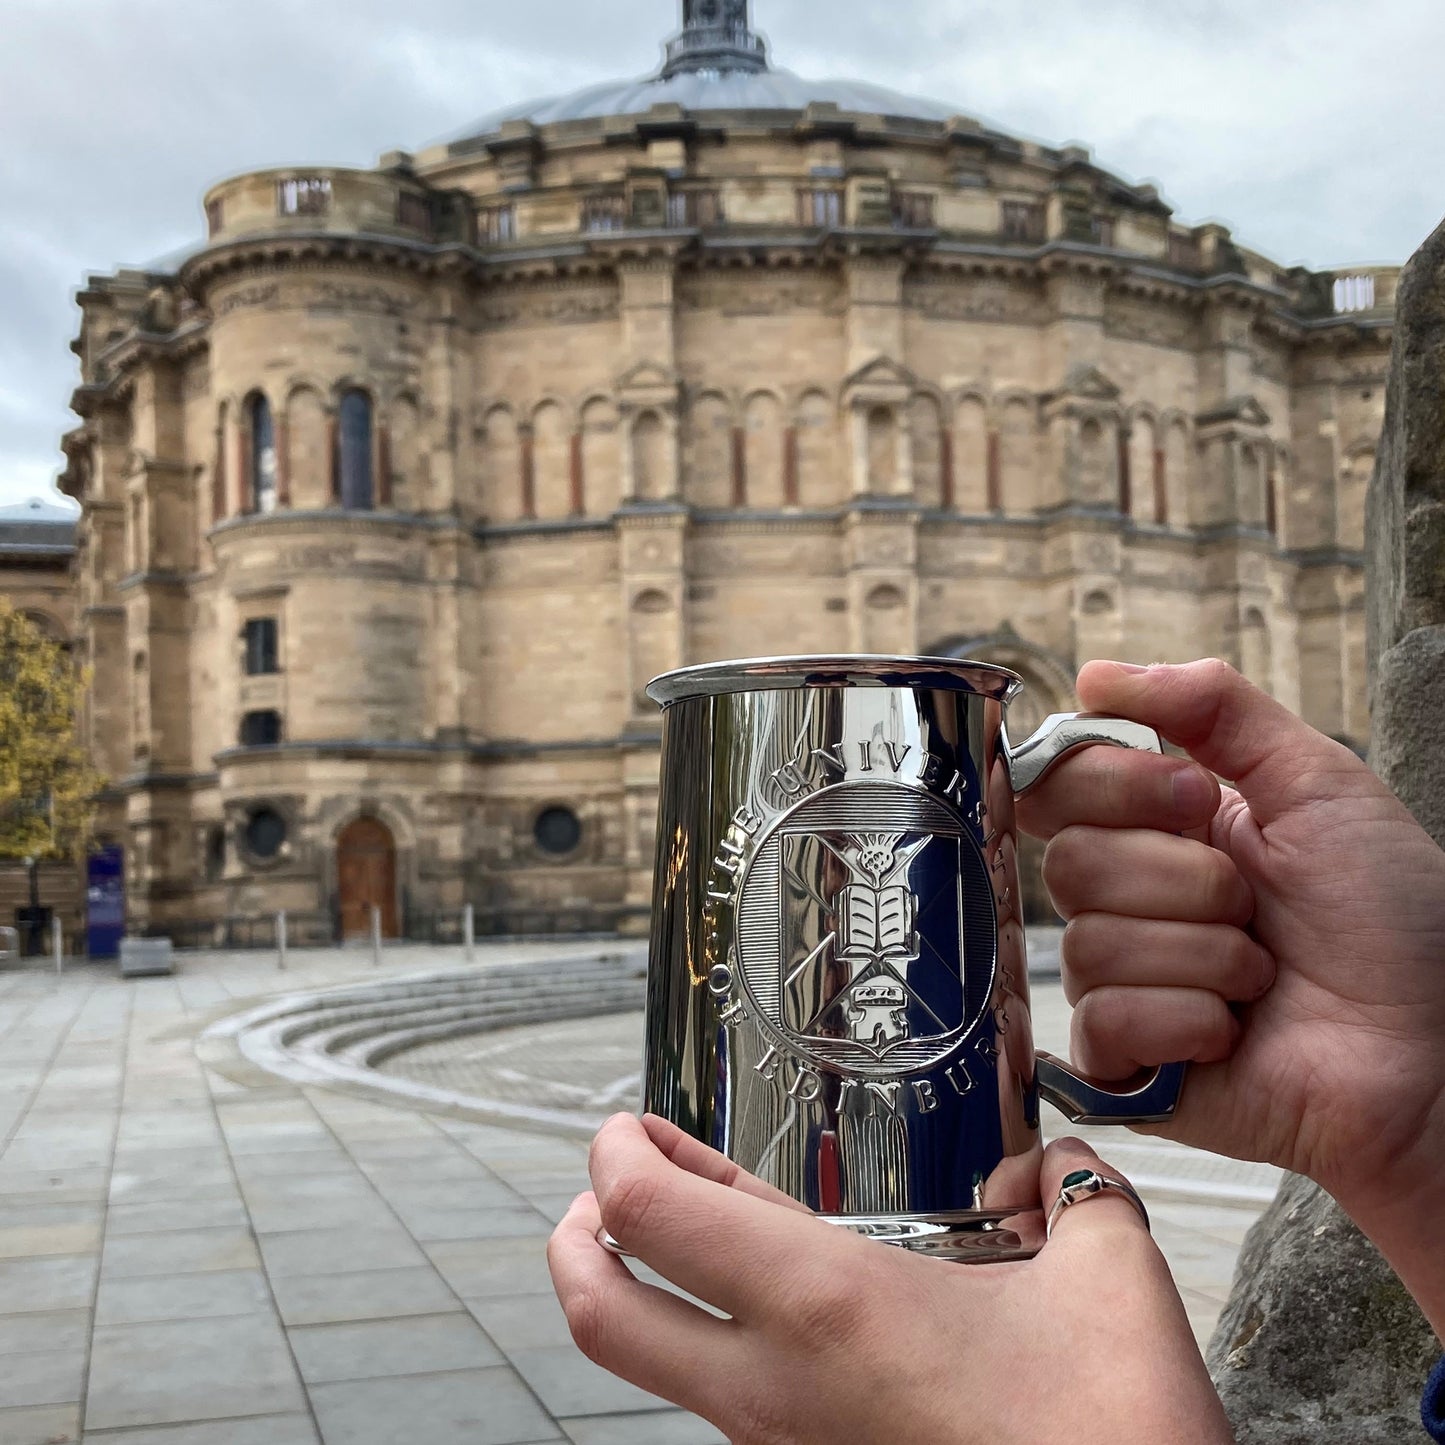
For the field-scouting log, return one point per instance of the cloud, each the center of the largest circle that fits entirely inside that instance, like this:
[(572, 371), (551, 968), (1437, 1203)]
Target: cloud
[(1311, 128)]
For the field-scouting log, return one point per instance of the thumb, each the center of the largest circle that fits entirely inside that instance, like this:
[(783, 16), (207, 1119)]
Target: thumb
[(1222, 720)]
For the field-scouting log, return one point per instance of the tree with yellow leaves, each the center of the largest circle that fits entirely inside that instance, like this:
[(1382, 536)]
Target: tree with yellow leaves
[(47, 788)]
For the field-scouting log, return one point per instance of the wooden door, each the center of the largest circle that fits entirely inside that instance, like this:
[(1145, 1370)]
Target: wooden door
[(366, 878)]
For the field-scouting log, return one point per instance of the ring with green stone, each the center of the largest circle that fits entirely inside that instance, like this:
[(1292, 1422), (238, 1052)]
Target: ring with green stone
[(1085, 1184)]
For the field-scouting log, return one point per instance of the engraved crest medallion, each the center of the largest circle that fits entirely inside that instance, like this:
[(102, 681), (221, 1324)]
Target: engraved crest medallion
[(853, 931)]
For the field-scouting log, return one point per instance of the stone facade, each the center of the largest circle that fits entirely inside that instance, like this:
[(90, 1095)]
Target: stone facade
[(37, 555), (399, 489)]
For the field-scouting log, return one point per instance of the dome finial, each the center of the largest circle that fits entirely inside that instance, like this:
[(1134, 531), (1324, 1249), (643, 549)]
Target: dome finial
[(716, 35)]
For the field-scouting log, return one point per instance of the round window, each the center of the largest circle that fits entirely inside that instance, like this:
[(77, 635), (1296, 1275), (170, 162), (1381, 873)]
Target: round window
[(265, 833), (558, 831)]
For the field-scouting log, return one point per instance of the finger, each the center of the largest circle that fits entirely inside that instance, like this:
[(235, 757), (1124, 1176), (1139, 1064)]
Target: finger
[(1116, 788), (1115, 1032), (1226, 723), (688, 1153), (1143, 874), (728, 1248), (649, 1337), (1102, 1220), (1099, 949)]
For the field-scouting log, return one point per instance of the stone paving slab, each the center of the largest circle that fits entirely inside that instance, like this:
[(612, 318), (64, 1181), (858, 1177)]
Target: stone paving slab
[(40, 1426), (377, 1349), (193, 1252), (262, 1430), (188, 1370), (485, 1407)]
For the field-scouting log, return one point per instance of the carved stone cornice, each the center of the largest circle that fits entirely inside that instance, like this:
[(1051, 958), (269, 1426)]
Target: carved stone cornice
[(270, 253)]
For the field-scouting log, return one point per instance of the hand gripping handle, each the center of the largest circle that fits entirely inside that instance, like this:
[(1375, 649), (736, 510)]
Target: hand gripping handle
[(1153, 1097)]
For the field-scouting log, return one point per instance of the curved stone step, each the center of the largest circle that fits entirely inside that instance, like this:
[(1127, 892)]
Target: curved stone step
[(336, 1037)]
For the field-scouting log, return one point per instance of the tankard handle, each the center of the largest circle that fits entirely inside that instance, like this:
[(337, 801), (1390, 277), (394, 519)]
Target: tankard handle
[(1154, 1096)]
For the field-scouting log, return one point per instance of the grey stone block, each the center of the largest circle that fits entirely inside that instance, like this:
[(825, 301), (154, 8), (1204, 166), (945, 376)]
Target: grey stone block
[(1319, 1341), (192, 1251), (181, 1297), (45, 1286), (146, 957), (263, 1430), (64, 1330), (339, 1251), (522, 1322), (477, 1267), (568, 1383), (1408, 749), (658, 1428), (376, 1349), (482, 1407), (365, 1295), (48, 1377), (47, 1425), (194, 1370)]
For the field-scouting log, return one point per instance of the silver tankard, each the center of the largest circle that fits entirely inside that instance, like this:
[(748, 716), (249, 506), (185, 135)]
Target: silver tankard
[(837, 991)]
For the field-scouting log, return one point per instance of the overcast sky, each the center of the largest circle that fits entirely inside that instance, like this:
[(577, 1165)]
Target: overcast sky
[(1313, 127)]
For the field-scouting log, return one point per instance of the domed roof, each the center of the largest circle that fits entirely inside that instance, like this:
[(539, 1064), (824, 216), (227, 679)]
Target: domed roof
[(717, 62), (714, 90)]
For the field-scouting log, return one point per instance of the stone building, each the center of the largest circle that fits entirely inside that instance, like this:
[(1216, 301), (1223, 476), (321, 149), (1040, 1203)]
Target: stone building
[(37, 550), (400, 486)]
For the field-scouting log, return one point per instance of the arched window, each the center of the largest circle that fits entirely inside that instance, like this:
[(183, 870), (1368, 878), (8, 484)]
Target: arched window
[(262, 439), (354, 461)]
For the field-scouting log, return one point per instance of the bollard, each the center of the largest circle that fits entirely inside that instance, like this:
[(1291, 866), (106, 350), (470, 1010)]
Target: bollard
[(376, 935), (469, 931), (57, 944), (281, 941)]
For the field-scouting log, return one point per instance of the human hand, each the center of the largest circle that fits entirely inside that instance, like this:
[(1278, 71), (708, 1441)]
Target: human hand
[(1305, 896), (830, 1337)]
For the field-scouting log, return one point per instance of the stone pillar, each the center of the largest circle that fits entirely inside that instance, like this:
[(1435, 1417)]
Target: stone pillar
[(1319, 1341), (875, 309), (1226, 364), (1075, 335), (881, 555), (652, 551)]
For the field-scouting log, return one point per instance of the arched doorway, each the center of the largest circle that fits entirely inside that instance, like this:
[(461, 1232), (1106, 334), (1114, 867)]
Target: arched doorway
[(366, 877)]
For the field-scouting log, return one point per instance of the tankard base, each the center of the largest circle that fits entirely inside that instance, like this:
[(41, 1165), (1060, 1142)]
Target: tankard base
[(973, 1236)]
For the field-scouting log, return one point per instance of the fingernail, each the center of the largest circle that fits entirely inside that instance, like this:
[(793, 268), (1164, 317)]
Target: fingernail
[(1192, 791), (1130, 667)]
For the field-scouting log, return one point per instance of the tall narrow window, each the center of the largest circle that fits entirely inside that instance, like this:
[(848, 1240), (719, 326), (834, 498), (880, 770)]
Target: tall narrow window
[(496, 224), (604, 213), (820, 206), (263, 454), (1023, 221), (913, 210), (262, 653), (354, 460)]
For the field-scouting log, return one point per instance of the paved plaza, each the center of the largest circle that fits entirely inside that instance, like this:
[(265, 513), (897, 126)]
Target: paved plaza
[(194, 1251)]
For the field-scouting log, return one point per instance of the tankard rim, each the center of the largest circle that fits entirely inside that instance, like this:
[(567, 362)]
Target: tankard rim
[(834, 670)]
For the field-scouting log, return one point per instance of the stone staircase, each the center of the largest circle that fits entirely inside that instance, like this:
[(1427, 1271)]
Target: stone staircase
[(338, 1037)]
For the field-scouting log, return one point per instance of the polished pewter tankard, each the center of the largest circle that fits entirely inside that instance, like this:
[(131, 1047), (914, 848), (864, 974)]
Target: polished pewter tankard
[(837, 992)]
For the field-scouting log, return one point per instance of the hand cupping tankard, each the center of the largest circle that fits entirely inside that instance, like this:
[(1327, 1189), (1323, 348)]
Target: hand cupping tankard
[(837, 990)]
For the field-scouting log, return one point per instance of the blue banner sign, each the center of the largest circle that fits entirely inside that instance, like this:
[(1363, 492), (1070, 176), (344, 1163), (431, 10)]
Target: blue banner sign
[(105, 902)]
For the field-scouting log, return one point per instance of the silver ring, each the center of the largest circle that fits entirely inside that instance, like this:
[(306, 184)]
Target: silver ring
[(1084, 1184)]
